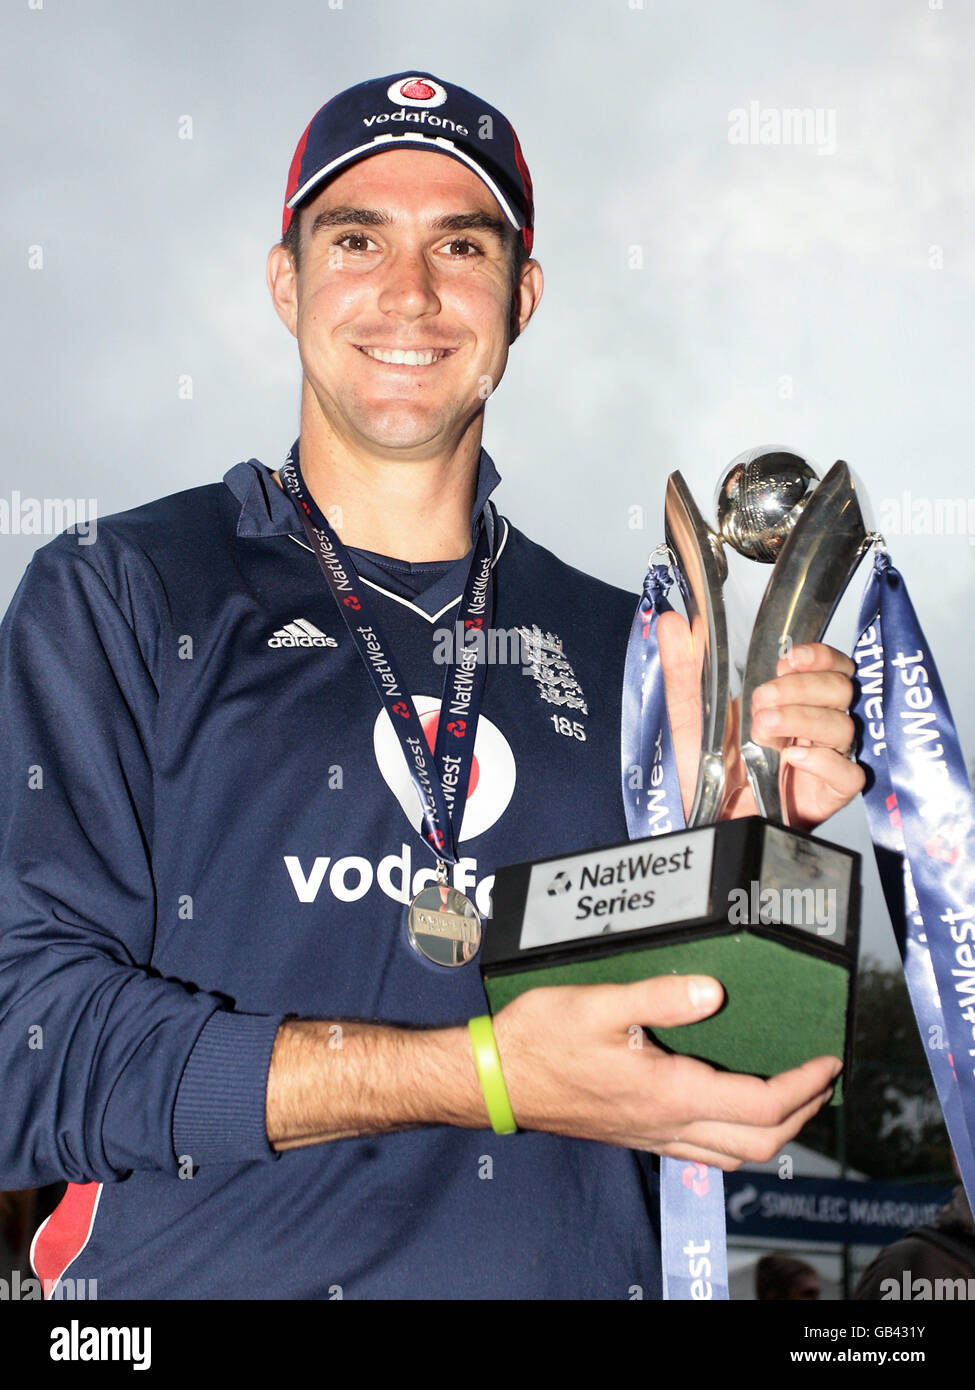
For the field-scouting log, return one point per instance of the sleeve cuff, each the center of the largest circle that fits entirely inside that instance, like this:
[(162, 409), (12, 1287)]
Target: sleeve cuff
[(220, 1111)]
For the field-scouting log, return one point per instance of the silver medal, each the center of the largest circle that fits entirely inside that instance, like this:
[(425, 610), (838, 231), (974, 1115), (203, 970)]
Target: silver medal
[(444, 925)]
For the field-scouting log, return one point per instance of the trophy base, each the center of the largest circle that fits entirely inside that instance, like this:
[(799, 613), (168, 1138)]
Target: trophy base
[(771, 913)]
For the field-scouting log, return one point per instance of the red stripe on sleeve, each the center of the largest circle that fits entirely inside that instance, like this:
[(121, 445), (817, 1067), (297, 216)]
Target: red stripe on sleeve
[(63, 1236)]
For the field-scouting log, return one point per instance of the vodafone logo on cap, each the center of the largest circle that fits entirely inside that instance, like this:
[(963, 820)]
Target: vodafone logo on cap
[(492, 781), (416, 91)]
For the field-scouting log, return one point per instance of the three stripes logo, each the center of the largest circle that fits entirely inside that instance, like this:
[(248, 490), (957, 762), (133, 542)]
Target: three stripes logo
[(300, 633)]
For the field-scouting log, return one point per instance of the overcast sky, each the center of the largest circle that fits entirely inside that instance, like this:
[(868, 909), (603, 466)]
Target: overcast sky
[(703, 294)]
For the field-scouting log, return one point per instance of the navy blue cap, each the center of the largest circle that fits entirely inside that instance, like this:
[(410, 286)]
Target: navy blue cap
[(413, 109)]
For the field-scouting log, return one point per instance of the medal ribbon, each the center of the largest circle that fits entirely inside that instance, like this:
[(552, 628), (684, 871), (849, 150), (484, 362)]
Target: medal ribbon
[(441, 782), (693, 1251), (922, 822)]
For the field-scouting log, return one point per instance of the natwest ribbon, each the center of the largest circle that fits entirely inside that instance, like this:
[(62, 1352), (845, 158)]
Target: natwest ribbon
[(651, 791), (693, 1252), (922, 822), (921, 812)]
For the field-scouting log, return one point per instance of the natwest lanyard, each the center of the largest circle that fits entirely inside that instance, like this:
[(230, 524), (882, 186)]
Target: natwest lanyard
[(442, 782)]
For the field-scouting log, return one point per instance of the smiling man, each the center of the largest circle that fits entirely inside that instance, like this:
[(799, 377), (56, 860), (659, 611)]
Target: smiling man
[(402, 314), (246, 861)]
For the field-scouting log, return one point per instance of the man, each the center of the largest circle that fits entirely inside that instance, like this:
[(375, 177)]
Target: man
[(212, 839), (940, 1253), (779, 1277)]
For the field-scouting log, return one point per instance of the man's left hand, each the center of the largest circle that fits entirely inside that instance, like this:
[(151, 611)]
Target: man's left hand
[(803, 712)]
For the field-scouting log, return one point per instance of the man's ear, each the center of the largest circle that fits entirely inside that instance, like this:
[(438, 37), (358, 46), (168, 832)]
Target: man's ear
[(526, 298), (282, 281)]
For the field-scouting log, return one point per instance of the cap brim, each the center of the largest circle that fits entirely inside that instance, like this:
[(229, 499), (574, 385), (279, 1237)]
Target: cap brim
[(381, 143)]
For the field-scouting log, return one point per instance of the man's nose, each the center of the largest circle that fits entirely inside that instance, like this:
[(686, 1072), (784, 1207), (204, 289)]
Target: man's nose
[(408, 287)]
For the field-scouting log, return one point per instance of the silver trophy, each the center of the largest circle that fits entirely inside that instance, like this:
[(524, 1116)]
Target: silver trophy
[(770, 509)]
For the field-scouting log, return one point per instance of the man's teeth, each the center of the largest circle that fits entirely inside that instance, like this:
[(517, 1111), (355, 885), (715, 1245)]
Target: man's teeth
[(405, 359)]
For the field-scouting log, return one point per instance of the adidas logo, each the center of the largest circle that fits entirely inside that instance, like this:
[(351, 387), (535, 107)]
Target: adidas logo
[(300, 633)]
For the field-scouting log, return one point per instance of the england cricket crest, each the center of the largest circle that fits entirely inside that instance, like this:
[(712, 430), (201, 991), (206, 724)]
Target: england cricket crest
[(553, 674)]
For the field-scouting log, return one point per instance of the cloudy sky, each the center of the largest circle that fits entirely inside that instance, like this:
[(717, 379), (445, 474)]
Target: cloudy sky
[(708, 287)]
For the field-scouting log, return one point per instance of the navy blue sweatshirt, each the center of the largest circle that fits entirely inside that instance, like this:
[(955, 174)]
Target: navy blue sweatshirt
[(205, 827)]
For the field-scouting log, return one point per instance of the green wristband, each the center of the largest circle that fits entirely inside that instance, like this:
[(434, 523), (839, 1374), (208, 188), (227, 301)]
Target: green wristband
[(488, 1064)]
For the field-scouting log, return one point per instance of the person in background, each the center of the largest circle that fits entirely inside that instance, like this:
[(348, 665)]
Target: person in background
[(785, 1277)]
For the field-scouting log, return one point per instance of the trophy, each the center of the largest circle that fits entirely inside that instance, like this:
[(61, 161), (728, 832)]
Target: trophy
[(773, 913)]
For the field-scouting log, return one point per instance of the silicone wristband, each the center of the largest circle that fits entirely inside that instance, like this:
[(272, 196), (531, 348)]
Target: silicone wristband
[(488, 1063)]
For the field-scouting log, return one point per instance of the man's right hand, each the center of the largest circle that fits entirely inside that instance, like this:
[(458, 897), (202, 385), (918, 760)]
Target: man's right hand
[(570, 1066), (576, 1062)]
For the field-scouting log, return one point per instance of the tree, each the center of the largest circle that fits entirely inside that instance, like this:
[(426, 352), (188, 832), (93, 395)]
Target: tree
[(891, 1121)]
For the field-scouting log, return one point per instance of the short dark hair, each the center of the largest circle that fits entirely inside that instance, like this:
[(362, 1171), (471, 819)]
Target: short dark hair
[(776, 1274), (515, 244), (291, 241)]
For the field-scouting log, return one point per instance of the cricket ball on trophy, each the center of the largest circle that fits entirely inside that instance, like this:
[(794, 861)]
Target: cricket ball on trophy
[(760, 498)]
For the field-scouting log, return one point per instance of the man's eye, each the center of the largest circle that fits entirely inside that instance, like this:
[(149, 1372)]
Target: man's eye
[(467, 248), (362, 242)]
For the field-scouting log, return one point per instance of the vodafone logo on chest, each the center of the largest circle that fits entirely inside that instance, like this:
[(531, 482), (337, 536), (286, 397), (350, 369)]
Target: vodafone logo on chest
[(401, 875)]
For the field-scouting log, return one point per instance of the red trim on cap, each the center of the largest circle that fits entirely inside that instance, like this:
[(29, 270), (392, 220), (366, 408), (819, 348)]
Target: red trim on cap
[(65, 1233), (294, 173), (527, 233)]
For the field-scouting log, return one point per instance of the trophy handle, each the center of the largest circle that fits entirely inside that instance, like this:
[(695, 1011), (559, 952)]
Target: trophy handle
[(810, 577), (701, 572)]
